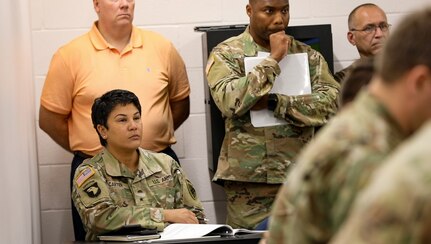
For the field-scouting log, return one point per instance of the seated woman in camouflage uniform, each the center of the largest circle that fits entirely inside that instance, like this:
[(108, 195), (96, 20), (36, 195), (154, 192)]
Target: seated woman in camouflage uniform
[(125, 184)]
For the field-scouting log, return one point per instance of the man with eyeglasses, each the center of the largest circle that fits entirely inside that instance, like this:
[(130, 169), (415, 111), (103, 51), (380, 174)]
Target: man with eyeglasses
[(395, 205), (368, 29), (113, 54)]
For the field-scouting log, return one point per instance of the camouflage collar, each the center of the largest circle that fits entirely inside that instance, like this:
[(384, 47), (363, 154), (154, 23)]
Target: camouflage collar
[(115, 168), (373, 104), (147, 165), (250, 46)]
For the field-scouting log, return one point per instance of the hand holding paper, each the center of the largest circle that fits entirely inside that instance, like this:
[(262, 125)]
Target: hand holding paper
[(293, 80)]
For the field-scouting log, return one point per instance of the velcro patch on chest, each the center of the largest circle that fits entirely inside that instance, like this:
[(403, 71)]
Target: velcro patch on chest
[(84, 176), (160, 180)]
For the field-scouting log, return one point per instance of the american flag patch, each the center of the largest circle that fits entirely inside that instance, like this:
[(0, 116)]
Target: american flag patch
[(85, 174)]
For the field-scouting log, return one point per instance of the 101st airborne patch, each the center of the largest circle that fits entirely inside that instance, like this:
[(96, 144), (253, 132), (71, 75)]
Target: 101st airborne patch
[(93, 190)]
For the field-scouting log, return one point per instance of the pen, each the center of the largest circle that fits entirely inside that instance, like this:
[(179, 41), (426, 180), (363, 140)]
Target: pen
[(203, 219), (197, 210)]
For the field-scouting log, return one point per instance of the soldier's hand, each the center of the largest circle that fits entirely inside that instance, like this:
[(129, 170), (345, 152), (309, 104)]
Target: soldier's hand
[(261, 104), (181, 215), (279, 43)]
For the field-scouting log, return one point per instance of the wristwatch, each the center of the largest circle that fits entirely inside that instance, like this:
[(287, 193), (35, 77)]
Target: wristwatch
[(272, 101)]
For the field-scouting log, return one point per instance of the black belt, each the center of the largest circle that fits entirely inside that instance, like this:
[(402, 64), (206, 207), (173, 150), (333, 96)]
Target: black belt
[(82, 155)]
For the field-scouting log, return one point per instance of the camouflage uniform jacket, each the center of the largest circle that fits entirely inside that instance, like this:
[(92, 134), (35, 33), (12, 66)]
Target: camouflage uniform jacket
[(395, 206), (341, 75), (319, 192), (264, 154), (108, 195)]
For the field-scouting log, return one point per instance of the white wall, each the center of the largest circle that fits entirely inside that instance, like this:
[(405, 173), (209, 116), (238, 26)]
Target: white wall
[(19, 191), (55, 22)]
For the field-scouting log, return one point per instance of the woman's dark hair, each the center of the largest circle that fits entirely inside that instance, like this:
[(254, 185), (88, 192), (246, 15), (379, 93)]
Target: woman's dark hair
[(104, 105)]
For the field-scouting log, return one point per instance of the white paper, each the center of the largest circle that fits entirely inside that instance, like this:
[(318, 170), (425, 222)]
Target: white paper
[(192, 231), (293, 80), (182, 231)]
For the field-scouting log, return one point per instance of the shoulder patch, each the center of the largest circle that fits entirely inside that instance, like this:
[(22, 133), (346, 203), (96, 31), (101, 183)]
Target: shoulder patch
[(93, 190), (191, 190), (84, 176)]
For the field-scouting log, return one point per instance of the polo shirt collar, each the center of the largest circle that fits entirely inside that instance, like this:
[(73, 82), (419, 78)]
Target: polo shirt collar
[(100, 43)]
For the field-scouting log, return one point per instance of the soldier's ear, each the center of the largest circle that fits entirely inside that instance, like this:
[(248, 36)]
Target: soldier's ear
[(102, 131), (248, 10), (351, 38)]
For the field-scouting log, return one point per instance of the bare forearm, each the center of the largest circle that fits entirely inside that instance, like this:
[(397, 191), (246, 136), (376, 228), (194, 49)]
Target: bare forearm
[(60, 136), (180, 111), (55, 126)]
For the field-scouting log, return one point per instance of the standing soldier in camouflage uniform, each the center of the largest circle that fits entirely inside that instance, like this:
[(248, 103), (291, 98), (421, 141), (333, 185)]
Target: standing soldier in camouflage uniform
[(254, 161), (319, 192), (125, 184), (368, 30), (395, 207)]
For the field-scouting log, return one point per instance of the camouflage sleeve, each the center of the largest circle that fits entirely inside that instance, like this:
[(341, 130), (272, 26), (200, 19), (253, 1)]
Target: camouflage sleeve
[(278, 232), (233, 91), (371, 225), (395, 205), (99, 213), (340, 75), (313, 109), (189, 198), (390, 216)]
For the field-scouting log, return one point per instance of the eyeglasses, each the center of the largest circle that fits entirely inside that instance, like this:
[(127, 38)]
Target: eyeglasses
[(372, 28)]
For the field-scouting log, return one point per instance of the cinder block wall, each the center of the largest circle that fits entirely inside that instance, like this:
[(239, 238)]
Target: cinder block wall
[(55, 22)]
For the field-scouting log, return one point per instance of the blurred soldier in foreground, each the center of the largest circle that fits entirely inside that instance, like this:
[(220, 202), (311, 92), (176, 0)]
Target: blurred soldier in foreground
[(319, 192)]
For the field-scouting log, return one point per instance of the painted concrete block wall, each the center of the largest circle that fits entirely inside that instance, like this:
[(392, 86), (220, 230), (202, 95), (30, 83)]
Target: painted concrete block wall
[(55, 22)]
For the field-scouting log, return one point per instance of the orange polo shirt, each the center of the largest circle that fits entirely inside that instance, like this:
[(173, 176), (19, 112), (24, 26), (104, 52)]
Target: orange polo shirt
[(88, 66)]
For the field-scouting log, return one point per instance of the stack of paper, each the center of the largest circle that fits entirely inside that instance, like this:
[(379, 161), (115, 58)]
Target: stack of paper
[(293, 80)]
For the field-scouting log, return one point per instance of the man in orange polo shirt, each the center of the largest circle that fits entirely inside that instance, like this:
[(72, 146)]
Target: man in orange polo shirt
[(114, 54)]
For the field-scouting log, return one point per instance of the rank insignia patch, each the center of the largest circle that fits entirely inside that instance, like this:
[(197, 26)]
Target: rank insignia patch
[(93, 190)]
